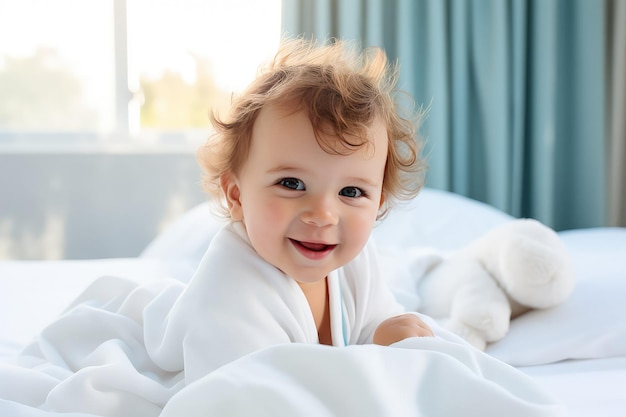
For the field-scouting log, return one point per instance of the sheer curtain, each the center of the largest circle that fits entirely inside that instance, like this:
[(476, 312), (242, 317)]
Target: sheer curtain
[(515, 91)]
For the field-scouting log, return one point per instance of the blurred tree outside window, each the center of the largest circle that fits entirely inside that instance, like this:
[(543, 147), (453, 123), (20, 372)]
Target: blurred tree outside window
[(40, 92), (56, 66), (171, 102), (60, 72)]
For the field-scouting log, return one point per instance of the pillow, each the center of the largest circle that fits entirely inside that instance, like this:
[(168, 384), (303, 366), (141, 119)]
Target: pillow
[(592, 322), (437, 219), (187, 237), (183, 243)]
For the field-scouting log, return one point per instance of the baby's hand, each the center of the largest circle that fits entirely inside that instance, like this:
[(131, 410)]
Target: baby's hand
[(399, 328)]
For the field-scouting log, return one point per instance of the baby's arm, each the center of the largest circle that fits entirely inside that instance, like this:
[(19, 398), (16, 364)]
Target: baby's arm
[(375, 316), (400, 327)]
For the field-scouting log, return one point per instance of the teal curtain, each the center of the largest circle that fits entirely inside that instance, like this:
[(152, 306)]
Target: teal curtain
[(515, 92)]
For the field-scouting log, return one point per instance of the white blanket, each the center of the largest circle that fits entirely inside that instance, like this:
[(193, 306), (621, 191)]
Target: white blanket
[(416, 377), (238, 344)]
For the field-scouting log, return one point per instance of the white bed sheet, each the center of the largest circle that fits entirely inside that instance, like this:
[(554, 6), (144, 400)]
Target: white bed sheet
[(589, 388), (34, 293), (587, 372)]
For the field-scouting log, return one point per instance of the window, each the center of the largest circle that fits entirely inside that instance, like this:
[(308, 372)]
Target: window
[(126, 70), (56, 66)]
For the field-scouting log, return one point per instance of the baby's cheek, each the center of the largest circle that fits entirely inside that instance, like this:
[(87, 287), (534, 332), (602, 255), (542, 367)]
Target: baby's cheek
[(360, 229), (275, 213)]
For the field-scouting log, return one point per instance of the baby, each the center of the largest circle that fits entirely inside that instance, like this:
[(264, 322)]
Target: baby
[(313, 153)]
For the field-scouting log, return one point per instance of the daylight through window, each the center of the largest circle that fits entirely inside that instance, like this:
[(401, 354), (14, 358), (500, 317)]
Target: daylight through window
[(120, 69)]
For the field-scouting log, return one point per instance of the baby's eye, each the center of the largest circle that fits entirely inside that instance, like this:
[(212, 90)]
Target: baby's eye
[(292, 184), (352, 192)]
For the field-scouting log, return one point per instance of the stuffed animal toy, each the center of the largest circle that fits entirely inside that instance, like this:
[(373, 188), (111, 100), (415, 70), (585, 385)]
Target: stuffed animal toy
[(477, 290)]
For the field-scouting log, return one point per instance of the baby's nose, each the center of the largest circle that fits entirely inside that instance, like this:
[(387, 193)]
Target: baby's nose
[(320, 212)]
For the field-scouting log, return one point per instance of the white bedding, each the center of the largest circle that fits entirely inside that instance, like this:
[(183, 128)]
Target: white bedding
[(576, 352), (33, 293)]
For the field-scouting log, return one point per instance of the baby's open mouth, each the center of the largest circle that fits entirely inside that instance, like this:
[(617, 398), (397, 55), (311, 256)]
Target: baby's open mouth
[(314, 247)]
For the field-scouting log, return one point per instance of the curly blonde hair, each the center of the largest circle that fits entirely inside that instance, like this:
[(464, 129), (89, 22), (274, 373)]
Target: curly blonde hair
[(343, 91)]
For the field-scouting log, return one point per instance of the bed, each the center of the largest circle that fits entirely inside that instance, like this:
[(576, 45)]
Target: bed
[(575, 353)]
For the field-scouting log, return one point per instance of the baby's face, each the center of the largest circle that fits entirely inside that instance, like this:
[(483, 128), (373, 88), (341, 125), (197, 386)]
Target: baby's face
[(306, 212)]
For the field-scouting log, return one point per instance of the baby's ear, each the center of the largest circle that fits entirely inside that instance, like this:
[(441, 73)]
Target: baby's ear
[(231, 191)]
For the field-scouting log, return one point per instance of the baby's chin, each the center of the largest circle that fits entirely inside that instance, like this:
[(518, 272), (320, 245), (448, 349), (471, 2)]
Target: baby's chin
[(302, 275), (304, 278)]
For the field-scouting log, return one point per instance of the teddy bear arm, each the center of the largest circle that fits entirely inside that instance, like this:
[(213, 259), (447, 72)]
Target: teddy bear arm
[(480, 311)]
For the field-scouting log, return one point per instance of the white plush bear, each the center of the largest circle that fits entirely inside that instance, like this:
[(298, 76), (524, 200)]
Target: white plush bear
[(477, 290)]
